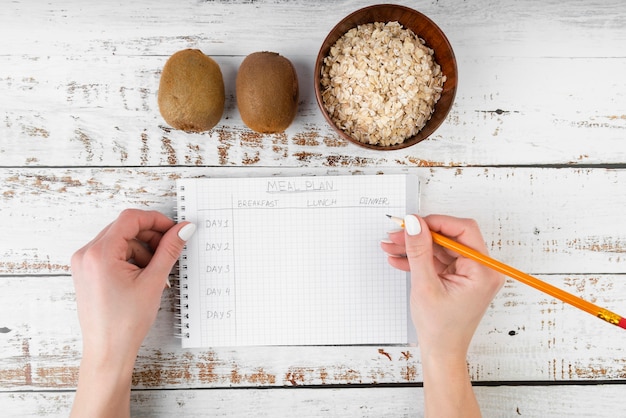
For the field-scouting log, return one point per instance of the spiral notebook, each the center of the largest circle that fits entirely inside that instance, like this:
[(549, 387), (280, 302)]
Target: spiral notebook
[(293, 261)]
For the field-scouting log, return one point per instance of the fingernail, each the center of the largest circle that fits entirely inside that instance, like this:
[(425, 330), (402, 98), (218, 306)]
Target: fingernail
[(412, 225), (168, 283), (396, 255), (186, 231)]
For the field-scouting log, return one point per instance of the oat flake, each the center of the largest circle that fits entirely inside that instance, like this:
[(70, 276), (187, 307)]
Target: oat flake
[(380, 83)]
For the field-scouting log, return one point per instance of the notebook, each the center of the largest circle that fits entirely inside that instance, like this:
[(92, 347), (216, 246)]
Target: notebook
[(293, 261)]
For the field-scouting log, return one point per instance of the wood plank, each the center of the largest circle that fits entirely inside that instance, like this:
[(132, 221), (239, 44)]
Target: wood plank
[(590, 28), (525, 336), (91, 99), (502, 401), (540, 84), (538, 220), (58, 111)]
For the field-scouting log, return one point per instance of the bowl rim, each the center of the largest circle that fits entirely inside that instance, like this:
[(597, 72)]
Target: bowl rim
[(449, 88)]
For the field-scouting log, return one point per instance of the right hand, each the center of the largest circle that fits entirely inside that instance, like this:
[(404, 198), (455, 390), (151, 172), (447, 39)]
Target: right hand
[(449, 293)]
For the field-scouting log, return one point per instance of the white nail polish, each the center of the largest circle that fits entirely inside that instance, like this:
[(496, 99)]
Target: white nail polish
[(168, 283), (412, 225), (186, 231)]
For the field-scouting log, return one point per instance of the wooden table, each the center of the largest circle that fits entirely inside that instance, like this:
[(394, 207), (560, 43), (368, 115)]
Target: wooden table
[(533, 149)]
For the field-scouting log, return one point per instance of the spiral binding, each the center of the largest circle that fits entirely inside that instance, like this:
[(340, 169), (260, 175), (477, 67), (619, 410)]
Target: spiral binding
[(181, 284)]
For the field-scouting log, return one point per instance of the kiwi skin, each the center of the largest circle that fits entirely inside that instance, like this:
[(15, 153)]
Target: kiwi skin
[(191, 91), (267, 92)]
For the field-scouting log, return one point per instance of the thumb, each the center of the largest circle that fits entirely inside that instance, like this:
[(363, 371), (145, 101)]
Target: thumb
[(419, 247), (169, 249)]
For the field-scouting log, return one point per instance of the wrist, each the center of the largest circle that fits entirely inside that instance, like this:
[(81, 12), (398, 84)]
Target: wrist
[(445, 362), (442, 365), (103, 386), (442, 350), (112, 367), (112, 353), (447, 385), (110, 372)]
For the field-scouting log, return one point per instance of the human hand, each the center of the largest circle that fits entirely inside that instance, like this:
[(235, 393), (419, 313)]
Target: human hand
[(449, 296), (119, 278), (449, 293)]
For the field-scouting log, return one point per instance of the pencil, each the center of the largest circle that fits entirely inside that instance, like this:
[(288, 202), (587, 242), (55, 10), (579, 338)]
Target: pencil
[(527, 279)]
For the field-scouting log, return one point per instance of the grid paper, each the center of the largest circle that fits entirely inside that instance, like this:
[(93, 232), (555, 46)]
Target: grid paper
[(293, 261)]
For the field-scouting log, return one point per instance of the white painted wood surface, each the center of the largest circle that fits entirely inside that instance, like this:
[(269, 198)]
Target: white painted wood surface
[(502, 402), (533, 149), (80, 83)]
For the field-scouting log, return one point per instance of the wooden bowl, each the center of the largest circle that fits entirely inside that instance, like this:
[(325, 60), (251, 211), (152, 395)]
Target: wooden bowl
[(424, 28)]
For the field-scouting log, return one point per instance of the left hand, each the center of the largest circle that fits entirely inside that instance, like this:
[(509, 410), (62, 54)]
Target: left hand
[(119, 278)]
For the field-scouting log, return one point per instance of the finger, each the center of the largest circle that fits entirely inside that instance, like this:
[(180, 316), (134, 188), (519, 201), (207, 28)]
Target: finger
[(443, 255), (463, 230), (396, 236), (400, 263), (394, 245), (440, 267), (151, 238), (450, 269), (393, 249), (169, 249), (138, 253), (131, 222), (419, 248)]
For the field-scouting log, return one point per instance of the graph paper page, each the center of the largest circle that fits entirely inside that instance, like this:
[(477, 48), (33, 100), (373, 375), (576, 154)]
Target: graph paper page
[(293, 261)]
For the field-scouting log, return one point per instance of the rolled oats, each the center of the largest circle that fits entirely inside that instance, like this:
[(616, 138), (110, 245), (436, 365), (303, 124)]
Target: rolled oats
[(380, 83)]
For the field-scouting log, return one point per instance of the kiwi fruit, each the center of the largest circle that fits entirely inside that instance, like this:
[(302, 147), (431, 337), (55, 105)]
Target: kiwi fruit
[(267, 92), (191, 91)]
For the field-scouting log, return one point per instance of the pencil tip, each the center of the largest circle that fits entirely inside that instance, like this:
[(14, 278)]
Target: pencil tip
[(389, 216)]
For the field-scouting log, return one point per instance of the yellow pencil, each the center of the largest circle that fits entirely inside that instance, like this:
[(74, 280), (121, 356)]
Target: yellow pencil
[(498, 266)]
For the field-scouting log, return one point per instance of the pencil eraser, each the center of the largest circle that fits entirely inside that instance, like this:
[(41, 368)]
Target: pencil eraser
[(622, 323)]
